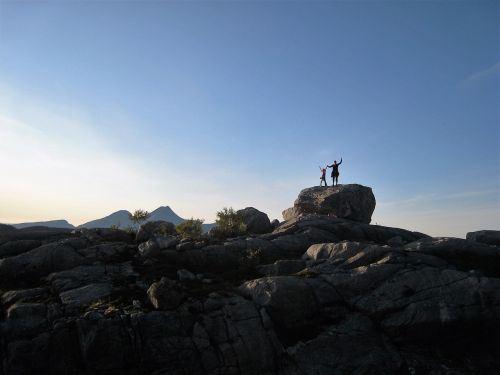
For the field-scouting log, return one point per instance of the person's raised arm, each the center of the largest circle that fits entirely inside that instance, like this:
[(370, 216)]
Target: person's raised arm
[(340, 161)]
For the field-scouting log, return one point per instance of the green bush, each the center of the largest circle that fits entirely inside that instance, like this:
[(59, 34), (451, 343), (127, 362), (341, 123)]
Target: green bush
[(139, 216), (190, 229), (229, 224)]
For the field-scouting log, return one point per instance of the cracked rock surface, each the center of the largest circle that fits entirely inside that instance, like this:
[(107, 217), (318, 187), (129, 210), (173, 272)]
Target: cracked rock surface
[(318, 295)]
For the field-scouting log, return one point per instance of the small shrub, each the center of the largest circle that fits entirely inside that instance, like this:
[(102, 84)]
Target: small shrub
[(139, 216), (228, 224), (190, 229), (130, 230)]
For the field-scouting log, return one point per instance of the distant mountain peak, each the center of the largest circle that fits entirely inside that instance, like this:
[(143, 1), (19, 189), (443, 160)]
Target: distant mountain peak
[(121, 218), (163, 208), (167, 214)]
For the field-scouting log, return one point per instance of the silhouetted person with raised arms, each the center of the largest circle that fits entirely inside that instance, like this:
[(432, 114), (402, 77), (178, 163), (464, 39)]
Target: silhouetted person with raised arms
[(322, 178), (335, 171)]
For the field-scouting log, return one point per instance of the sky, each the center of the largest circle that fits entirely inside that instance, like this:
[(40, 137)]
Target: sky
[(199, 105)]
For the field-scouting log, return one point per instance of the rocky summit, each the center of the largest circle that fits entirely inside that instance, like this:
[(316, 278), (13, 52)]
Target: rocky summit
[(353, 202), (322, 293)]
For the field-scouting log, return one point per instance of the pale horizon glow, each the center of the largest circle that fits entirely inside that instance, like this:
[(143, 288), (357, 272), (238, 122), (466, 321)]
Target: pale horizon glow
[(198, 106)]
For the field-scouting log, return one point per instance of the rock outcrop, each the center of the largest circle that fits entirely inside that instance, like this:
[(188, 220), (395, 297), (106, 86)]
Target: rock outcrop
[(353, 202), (165, 294), (490, 237), (318, 295), (40, 261)]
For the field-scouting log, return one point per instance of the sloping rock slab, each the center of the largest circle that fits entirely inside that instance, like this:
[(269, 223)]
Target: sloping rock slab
[(12, 248), (466, 255), (39, 262), (76, 298)]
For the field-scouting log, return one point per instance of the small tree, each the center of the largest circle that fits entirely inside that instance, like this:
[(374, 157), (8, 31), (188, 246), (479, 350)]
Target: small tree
[(115, 226), (190, 229), (139, 216), (229, 223), (130, 230)]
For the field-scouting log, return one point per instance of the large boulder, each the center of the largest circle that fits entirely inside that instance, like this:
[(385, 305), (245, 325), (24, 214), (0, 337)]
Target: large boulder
[(165, 294), (353, 202), (166, 242), (256, 221), (149, 249), (39, 262), (490, 237), (291, 213), (344, 249), (343, 229)]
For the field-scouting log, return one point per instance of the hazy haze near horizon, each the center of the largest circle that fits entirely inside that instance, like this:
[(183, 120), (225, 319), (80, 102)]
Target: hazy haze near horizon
[(200, 105)]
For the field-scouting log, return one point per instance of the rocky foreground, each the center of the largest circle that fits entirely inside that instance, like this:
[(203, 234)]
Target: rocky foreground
[(319, 294)]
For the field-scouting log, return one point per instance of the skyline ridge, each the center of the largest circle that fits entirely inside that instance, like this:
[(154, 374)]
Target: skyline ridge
[(114, 218)]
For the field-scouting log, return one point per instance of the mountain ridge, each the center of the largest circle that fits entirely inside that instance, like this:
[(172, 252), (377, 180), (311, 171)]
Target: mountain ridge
[(59, 223), (118, 219)]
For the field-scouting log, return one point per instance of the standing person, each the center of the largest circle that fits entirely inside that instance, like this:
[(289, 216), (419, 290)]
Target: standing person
[(335, 171), (322, 178)]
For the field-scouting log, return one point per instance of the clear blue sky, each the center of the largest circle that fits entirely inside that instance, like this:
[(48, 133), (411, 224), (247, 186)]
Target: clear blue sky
[(109, 105)]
